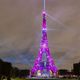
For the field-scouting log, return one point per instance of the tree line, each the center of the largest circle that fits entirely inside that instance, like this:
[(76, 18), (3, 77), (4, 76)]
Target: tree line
[(7, 71)]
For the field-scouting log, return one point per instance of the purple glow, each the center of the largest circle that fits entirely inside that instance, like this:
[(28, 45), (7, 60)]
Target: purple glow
[(44, 12), (44, 29), (44, 49)]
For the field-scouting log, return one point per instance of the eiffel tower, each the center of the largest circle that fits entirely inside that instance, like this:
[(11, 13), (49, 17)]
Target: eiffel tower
[(44, 65)]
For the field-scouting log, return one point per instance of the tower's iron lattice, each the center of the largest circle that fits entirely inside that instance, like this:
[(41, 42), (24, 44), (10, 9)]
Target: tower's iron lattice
[(44, 63)]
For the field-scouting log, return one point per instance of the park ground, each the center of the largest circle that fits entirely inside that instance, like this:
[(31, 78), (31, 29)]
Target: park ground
[(41, 79)]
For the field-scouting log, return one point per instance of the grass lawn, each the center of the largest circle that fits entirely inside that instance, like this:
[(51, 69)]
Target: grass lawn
[(68, 79), (44, 79)]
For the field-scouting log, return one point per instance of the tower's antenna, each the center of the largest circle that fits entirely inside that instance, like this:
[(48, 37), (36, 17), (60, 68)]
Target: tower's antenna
[(44, 3)]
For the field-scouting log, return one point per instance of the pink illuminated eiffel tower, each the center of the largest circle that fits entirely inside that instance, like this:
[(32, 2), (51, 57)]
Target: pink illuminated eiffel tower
[(44, 63)]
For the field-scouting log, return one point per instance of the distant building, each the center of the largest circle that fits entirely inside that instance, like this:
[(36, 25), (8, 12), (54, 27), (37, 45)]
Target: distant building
[(76, 69), (63, 73)]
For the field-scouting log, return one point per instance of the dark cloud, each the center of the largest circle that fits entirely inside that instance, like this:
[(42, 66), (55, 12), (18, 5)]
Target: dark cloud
[(20, 25)]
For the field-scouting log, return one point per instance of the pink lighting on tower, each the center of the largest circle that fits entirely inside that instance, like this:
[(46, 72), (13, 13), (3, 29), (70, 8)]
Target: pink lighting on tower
[(44, 60), (44, 45), (44, 29), (44, 12)]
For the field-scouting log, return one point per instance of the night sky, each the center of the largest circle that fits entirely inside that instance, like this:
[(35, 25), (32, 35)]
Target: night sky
[(20, 31)]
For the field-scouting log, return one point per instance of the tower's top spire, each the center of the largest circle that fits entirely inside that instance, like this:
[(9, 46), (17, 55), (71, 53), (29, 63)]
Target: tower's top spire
[(44, 17), (44, 7), (44, 3)]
